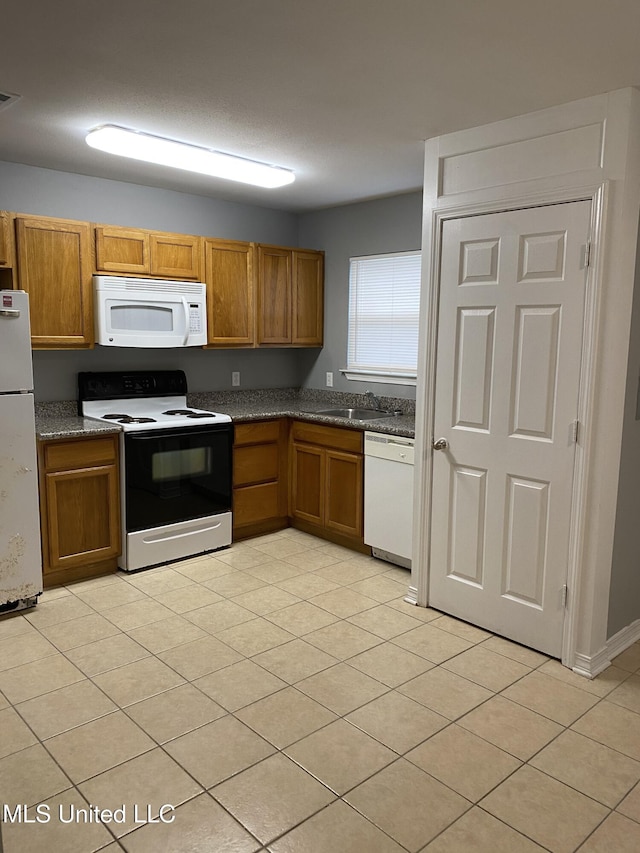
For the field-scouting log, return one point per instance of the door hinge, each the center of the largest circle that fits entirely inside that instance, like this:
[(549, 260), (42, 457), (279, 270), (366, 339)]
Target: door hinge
[(564, 594), (575, 431), (587, 255)]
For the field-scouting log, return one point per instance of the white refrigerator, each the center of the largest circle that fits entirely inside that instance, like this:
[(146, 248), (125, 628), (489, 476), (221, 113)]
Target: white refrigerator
[(20, 556)]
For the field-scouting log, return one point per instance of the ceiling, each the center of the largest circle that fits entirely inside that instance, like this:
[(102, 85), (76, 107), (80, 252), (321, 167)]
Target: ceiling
[(341, 91)]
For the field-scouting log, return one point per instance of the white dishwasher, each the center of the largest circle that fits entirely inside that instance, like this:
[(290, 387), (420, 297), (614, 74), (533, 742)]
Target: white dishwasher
[(388, 496)]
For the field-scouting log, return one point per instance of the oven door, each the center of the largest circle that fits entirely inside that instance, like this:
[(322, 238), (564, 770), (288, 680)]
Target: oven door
[(174, 475)]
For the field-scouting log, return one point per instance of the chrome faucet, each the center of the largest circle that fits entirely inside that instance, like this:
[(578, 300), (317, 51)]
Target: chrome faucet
[(373, 401)]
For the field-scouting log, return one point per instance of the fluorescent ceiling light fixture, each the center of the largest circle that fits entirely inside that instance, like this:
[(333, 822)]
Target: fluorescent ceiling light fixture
[(192, 158)]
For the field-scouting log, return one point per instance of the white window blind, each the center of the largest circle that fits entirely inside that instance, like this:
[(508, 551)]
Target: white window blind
[(384, 301)]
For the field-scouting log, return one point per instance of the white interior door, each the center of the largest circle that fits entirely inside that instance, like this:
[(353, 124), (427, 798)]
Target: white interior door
[(512, 293)]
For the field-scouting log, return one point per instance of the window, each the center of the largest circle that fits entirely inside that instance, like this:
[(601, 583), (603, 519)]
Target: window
[(384, 300)]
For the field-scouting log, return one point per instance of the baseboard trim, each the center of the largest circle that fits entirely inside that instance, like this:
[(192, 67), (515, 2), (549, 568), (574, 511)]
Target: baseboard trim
[(593, 665), (412, 595)]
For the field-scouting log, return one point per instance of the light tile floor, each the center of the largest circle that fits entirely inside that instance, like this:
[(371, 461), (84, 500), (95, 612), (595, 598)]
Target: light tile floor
[(282, 696)]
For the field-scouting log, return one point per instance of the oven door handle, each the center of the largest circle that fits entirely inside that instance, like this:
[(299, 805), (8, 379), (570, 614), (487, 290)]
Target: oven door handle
[(185, 306), (162, 538)]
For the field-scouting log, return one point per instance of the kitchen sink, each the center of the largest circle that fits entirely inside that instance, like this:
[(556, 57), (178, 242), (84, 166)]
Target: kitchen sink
[(355, 414)]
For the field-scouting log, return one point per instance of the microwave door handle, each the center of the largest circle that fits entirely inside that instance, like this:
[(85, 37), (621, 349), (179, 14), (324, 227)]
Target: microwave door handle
[(185, 306)]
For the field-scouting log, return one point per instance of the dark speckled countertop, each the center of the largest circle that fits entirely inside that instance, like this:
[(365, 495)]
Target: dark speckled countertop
[(60, 419)]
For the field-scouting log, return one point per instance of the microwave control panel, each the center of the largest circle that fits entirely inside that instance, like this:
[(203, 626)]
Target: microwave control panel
[(195, 318)]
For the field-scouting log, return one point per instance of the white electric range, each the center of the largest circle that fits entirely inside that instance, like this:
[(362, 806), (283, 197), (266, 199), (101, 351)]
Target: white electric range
[(175, 465)]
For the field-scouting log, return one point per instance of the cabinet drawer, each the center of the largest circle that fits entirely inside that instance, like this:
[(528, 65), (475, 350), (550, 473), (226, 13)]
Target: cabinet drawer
[(325, 436), (257, 433), (256, 503), (79, 453), (256, 463)]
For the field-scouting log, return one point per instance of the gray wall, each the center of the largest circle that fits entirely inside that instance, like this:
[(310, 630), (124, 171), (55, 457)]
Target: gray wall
[(55, 372), (624, 593), (386, 225), (44, 192), (27, 189)]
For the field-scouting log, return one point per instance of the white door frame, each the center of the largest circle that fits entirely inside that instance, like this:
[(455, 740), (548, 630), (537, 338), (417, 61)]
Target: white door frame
[(598, 195)]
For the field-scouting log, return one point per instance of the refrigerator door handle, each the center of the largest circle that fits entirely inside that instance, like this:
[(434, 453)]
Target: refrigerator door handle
[(9, 312)]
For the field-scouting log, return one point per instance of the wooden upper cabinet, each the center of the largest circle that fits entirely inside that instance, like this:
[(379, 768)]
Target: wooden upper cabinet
[(139, 252), (274, 295), (175, 256), (121, 250), (230, 279), (6, 240), (290, 297), (307, 298), (54, 267), (257, 295)]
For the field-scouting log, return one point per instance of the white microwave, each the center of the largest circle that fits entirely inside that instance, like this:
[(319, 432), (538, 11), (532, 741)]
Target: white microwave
[(144, 312)]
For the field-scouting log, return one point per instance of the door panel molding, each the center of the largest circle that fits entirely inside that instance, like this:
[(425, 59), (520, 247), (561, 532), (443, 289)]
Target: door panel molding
[(576, 617)]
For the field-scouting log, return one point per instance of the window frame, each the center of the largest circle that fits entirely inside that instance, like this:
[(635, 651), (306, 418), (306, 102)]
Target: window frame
[(378, 373)]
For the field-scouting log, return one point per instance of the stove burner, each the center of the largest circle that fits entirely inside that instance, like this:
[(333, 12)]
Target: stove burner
[(127, 419), (113, 416), (189, 413)]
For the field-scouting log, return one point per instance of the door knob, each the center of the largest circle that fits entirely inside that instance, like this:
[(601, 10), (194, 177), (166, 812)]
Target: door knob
[(440, 444)]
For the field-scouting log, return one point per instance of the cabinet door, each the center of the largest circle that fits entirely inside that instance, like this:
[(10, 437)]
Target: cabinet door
[(82, 516), (6, 243), (343, 493), (54, 267), (274, 295), (122, 250), (230, 278), (307, 298), (307, 483), (175, 256)]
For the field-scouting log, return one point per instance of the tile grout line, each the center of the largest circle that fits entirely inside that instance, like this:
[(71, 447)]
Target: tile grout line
[(345, 661)]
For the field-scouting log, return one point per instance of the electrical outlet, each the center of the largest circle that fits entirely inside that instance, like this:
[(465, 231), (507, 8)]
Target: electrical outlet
[(329, 379), (235, 378)]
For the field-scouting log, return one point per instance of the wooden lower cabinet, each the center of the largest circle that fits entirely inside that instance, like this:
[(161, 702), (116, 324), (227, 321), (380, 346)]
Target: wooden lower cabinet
[(343, 502), (80, 507), (326, 490), (259, 477)]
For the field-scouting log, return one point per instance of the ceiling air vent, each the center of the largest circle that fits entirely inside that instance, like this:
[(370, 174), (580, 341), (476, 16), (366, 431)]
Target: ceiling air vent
[(6, 99)]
